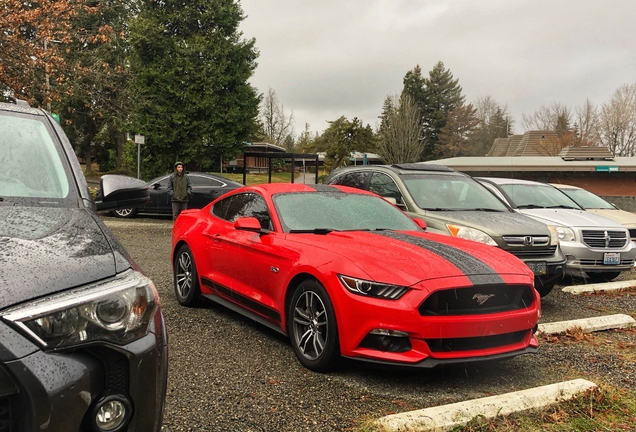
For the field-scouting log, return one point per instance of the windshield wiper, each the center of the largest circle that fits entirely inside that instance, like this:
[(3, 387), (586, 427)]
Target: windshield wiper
[(484, 209), (563, 206), (311, 231), (437, 209), (530, 206)]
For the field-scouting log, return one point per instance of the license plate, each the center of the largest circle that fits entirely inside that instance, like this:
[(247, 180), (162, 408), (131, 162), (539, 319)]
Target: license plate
[(538, 267), (611, 258)]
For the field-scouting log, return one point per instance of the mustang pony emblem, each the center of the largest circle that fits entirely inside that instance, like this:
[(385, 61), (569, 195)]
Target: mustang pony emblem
[(482, 298)]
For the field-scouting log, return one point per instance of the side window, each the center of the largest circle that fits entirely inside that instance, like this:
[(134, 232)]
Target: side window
[(384, 186), (243, 205), (356, 179), (220, 209), (199, 181)]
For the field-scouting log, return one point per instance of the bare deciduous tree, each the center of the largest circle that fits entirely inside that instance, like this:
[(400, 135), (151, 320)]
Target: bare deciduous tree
[(399, 134), (617, 122), (276, 124), (586, 124), (555, 117)]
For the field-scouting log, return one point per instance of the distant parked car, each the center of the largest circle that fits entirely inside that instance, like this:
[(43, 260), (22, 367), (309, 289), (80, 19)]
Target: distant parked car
[(595, 204), (344, 273), (455, 204), (596, 245), (205, 189)]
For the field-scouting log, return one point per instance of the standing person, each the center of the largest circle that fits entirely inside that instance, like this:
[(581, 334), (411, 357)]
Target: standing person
[(179, 189)]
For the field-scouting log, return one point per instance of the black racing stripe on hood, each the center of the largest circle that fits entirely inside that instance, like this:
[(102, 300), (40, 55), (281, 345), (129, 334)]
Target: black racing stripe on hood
[(475, 269), (324, 188)]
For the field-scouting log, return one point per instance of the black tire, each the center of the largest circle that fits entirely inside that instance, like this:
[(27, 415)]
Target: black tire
[(544, 289), (186, 279), (312, 327), (125, 212), (603, 276)]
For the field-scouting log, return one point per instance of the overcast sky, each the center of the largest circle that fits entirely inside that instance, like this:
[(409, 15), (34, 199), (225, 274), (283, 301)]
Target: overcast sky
[(329, 58)]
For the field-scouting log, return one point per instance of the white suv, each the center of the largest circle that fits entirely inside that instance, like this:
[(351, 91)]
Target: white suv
[(593, 244)]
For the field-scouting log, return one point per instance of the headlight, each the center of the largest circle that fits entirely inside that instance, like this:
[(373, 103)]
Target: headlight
[(564, 233), (554, 235), (373, 289), (470, 234), (118, 310)]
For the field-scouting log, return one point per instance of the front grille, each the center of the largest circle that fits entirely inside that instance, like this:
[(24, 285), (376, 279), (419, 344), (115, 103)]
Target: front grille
[(605, 239), (527, 241), (6, 423), (475, 343), (591, 262), (526, 253), (116, 368), (482, 299)]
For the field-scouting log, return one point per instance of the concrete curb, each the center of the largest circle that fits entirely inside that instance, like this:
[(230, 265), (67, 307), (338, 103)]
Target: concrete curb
[(588, 325), (446, 417), (606, 286)]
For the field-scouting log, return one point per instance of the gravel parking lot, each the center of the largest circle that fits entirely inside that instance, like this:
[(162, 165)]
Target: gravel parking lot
[(230, 374)]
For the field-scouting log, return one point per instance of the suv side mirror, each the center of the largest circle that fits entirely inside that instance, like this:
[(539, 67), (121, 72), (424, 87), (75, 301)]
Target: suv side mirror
[(118, 191)]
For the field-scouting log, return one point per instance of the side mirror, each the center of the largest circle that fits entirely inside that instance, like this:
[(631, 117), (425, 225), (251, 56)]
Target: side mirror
[(420, 222), (249, 224), (118, 191), (156, 185)]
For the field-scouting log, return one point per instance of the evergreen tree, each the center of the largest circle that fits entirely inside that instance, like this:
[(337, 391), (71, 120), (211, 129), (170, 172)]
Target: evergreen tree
[(190, 69), (341, 138), (436, 97), (442, 94)]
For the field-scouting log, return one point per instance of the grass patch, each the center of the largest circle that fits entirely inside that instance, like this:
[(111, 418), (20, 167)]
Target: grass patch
[(599, 409)]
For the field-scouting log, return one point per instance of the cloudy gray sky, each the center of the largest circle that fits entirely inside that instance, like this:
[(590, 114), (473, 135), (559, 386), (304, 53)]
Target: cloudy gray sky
[(329, 58)]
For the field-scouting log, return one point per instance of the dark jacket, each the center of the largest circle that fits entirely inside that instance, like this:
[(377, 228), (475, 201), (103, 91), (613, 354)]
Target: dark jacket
[(179, 187)]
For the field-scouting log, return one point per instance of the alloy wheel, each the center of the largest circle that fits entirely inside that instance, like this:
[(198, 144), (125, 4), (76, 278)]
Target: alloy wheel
[(310, 325), (184, 275)]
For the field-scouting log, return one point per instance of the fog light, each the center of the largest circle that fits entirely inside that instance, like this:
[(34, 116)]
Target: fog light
[(387, 340), (112, 414)]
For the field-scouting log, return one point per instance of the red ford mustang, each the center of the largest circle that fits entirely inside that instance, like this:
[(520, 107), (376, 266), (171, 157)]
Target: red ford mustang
[(343, 272)]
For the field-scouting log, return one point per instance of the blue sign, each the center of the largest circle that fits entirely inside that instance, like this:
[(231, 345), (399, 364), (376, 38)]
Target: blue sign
[(605, 168)]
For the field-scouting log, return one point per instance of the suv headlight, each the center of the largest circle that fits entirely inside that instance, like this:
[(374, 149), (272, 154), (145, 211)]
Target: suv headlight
[(373, 289), (564, 233), (554, 235), (117, 310), (470, 234)]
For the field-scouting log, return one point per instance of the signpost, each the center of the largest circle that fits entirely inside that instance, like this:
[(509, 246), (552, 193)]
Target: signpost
[(139, 140)]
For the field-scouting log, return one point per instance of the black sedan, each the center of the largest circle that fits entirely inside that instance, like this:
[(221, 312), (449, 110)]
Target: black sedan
[(83, 345), (205, 189)]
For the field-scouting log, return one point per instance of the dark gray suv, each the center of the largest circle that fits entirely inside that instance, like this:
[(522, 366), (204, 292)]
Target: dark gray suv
[(83, 345), (453, 203)]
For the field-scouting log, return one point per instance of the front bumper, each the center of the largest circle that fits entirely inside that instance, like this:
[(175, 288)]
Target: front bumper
[(581, 258), (434, 339), (58, 391)]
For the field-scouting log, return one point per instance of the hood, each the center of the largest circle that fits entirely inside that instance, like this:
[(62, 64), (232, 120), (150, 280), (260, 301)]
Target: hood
[(47, 250), (495, 224), (625, 218), (571, 218), (408, 257)]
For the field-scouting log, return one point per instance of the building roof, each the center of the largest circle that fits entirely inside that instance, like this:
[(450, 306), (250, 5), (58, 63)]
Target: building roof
[(537, 163)]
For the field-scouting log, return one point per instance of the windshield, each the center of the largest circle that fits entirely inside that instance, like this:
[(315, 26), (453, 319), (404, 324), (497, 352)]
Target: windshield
[(440, 192), (32, 171), (587, 199), (338, 211), (537, 196)]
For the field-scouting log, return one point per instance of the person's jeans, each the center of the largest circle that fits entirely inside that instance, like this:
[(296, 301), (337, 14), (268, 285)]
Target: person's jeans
[(177, 207)]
